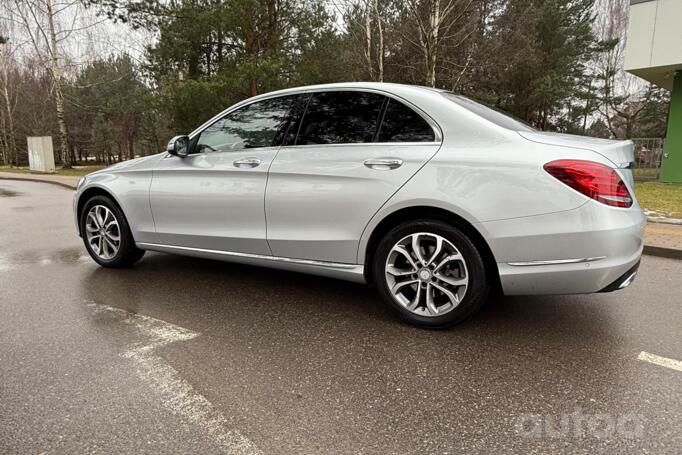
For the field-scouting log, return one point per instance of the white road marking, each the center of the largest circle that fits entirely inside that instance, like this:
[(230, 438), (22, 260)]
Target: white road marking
[(661, 361), (178, 395)]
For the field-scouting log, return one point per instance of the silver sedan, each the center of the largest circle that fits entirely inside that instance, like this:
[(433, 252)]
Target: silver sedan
[(433, 198)]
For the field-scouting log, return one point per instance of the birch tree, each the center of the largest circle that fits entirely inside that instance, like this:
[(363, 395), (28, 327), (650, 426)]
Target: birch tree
[(623, 96), (41, 22), (374, 26), (433, 22), (9, 102)]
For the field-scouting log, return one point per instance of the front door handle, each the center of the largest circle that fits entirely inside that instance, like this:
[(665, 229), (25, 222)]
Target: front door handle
[(247, 162), (384, 164)]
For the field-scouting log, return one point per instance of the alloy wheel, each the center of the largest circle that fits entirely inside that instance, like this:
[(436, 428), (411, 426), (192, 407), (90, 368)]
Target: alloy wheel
[(102, 232), (426, 274)]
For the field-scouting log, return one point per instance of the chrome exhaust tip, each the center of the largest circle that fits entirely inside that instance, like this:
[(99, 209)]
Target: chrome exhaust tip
[(628, 281)]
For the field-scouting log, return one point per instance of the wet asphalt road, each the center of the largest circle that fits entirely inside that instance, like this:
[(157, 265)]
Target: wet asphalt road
[(247, 360)]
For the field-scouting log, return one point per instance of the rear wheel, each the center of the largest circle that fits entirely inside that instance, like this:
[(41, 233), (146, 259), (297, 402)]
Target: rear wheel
[(106, 234), (430, 273)]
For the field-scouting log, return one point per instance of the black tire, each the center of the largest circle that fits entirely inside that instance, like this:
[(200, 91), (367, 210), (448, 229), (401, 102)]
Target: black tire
[(128, 253), (478, 287)]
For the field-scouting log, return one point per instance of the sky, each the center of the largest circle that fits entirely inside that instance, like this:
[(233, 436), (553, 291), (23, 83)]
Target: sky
[(82, 35)]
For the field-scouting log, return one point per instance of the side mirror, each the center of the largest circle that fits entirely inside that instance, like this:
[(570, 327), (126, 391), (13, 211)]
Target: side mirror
[(178, 146)]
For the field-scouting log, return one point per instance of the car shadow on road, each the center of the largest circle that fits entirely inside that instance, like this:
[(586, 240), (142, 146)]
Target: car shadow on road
[(285, 324), (225, 291)]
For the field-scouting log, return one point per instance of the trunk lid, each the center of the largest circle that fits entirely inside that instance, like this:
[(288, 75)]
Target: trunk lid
[(620, 153)]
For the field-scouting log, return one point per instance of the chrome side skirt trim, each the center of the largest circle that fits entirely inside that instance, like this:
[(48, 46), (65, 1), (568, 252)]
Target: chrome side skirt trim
[(556, 261), (352, 272), (334, 265)]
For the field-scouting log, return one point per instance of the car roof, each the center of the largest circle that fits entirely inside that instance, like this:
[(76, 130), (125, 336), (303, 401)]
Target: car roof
[(427, 100), (382, 86)]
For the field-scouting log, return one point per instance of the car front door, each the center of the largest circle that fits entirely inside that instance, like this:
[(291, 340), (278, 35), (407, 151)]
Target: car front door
[(353, 151), (214, 197)]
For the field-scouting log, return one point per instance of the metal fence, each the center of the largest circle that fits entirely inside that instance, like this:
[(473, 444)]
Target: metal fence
[(648, 157)]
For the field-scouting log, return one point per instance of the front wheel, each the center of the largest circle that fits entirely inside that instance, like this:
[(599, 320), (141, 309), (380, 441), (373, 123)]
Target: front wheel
[(430, 273), (106, 234)]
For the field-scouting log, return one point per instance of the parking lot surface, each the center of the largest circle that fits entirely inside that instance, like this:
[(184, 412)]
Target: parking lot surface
[(182, 355)]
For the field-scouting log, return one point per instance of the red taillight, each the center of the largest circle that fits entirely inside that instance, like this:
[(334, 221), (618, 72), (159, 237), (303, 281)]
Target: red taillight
[(594, 180)]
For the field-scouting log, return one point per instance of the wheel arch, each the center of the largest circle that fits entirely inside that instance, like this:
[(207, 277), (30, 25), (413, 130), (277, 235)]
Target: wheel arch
[(421, 212), (89, 193)]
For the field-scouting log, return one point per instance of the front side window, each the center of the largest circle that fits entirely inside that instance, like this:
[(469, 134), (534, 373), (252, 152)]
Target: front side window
[(402, 124), (260, 124), (341, 118)]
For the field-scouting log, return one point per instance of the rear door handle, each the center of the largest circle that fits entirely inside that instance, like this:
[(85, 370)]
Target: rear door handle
[(383, 164), (247, 162)]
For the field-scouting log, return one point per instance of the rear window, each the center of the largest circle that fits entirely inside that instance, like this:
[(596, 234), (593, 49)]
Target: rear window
[(498, 117), (402, 124)]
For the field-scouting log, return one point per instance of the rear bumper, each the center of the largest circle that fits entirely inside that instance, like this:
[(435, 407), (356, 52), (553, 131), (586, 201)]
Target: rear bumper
[(624, 280), (581, 278), (589, 249)]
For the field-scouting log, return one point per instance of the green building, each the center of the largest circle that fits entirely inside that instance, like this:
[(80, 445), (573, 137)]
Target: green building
[(654, 53)]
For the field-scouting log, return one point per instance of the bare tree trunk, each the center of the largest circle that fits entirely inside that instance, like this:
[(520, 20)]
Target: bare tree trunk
[(8, 130), (368, 35), (607, 101), (58, 95), (219, 49), (250, 48), (432, 43), (9, 140), (587, 107), (545, 118), (380, 30), (436, 22), (4, 148), (131, 146)]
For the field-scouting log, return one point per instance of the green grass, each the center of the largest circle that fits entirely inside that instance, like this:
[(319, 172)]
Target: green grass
[(646, 171), (665, 198), (75, 171)]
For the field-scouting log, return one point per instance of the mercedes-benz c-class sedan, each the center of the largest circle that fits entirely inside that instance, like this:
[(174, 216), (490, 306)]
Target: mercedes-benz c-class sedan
[(434, 199)]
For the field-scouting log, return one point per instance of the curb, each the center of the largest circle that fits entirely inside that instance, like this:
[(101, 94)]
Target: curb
[(29, 179), (662, 252), (661, 220), (649, 250), (655, 217)]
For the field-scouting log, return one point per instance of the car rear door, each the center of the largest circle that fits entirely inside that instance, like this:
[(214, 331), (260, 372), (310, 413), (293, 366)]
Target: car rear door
[(214, 198), (354, 149)]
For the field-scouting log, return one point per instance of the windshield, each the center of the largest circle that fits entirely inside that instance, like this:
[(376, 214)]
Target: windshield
[(491, 114)]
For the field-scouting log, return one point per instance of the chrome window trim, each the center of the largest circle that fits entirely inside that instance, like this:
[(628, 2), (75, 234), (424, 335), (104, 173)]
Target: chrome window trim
[(364, 144), (317, 146), (194, 154), (437, 131)]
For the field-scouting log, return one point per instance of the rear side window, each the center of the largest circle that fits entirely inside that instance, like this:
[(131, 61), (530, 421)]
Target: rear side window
[(498, 117), (402, 124), (341, 118)]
